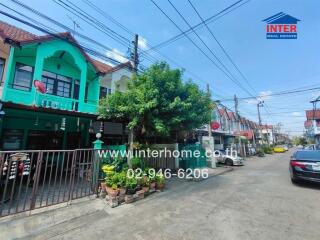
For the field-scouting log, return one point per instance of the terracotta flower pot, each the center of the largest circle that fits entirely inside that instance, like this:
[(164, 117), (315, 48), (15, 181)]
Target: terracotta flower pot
[(112, 192), (153, 185), (160, 186), (129, 198), (145, 189), (103, 187), (122, 191)]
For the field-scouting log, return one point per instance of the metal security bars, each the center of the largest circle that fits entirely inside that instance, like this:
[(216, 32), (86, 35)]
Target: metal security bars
[(40, 178)]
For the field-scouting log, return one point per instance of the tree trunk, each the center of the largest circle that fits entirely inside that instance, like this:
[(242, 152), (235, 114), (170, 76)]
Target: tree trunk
[(130, 141)]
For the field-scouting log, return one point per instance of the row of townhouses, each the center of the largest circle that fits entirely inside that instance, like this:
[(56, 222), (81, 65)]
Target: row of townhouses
[(312, 125), (66, 116), (227, 127)]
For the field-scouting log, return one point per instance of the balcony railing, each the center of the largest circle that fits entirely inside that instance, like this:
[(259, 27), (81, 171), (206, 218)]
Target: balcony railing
[(56, 102)]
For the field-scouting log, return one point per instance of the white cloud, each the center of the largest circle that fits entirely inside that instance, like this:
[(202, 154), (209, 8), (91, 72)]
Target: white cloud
[(142, 43), (296, 114), (116, 55), (263, 95)]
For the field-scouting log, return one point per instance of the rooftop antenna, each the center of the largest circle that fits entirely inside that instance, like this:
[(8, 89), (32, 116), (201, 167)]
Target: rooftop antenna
[(75, 25)]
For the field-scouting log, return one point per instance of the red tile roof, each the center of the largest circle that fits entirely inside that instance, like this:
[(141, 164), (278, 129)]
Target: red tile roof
[(312, 114), (8, 31), (14, 33)]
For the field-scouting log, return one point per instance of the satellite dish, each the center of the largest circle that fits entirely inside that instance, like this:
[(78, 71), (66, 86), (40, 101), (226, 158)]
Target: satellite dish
[(40, 86), (215, 125)]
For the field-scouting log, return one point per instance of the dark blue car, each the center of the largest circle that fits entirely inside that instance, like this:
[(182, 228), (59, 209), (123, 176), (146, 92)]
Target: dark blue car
[(305, 166)]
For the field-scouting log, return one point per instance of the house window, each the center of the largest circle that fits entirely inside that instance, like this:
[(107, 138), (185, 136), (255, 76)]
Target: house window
[(104, 92), (56, 84), (12, 139), (76, 89), (2, 62), (23, 77)]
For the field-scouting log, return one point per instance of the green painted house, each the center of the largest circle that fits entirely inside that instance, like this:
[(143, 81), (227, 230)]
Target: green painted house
[(61, 118)]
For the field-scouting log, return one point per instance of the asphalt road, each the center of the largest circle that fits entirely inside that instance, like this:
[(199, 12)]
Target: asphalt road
[(257, 201)]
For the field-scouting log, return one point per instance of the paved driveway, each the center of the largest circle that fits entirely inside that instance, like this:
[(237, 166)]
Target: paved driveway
[(256, 201)]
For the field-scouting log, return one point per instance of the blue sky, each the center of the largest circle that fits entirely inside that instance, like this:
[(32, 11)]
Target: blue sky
[(269, 65)]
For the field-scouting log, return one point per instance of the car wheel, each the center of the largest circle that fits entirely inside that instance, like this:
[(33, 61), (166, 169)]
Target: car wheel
[(229, 162), (294, 181)]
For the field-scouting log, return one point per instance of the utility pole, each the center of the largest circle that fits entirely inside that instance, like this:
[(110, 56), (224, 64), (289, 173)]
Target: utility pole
[(238, 125), (209, 125), (260, 104), (135, 62), (135, 57), (314, 103)]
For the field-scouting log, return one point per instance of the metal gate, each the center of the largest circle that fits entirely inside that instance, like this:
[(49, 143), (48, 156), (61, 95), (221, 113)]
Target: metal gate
[(192, 161), (40, 178)]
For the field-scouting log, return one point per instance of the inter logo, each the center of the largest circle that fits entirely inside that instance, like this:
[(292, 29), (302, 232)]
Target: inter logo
[(281, 26)]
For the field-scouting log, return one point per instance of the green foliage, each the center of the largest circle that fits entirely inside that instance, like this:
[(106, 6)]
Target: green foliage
[(131, 183), (260, 153), (158, 102), (267, 149), (160, 179), (137, 162), (299, 141)]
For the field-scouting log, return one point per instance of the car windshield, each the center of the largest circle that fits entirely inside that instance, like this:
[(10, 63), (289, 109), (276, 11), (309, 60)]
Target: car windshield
[(308, 155)]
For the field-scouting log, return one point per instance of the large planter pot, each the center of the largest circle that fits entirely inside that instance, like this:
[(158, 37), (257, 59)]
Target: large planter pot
[(122, 191), (112, 192), (160, 186), (146, 189), (103, 187), (140, 194), (129, 198), (131, 191), (153, 185)]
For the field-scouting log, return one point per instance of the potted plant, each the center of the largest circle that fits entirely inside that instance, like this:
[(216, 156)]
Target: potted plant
[(131, 184), (103, 186), (113, 191), (122, 183), (152, 181), (160, 182), (146, 184), (112, 185)]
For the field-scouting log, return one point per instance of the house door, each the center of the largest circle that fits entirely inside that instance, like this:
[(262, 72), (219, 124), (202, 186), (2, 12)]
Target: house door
[(73, 140)]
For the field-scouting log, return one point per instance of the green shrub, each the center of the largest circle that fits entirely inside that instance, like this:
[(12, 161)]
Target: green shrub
[(137, 162)]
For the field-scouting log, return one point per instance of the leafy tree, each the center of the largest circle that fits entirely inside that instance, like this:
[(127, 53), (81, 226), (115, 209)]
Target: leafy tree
[(158, 103), (299, 141)]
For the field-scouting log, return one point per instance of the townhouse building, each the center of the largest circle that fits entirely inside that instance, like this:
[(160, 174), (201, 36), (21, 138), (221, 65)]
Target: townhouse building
[(312, 125), (65, 116)]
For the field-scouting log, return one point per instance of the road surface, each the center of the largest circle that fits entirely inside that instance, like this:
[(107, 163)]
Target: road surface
[(256, 201)]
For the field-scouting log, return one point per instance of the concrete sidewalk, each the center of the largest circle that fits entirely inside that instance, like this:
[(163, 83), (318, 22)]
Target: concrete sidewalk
[(57, 220)]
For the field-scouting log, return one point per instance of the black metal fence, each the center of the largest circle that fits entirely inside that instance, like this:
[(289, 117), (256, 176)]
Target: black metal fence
[(40, 178)]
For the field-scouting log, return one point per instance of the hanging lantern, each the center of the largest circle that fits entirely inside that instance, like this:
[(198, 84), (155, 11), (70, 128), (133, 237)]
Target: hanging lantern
[(63, 124), (101, 127)]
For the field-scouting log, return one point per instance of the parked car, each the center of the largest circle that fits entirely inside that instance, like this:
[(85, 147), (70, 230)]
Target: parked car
[(229, 160), (286, 147), (305, 166), (279, 149)]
